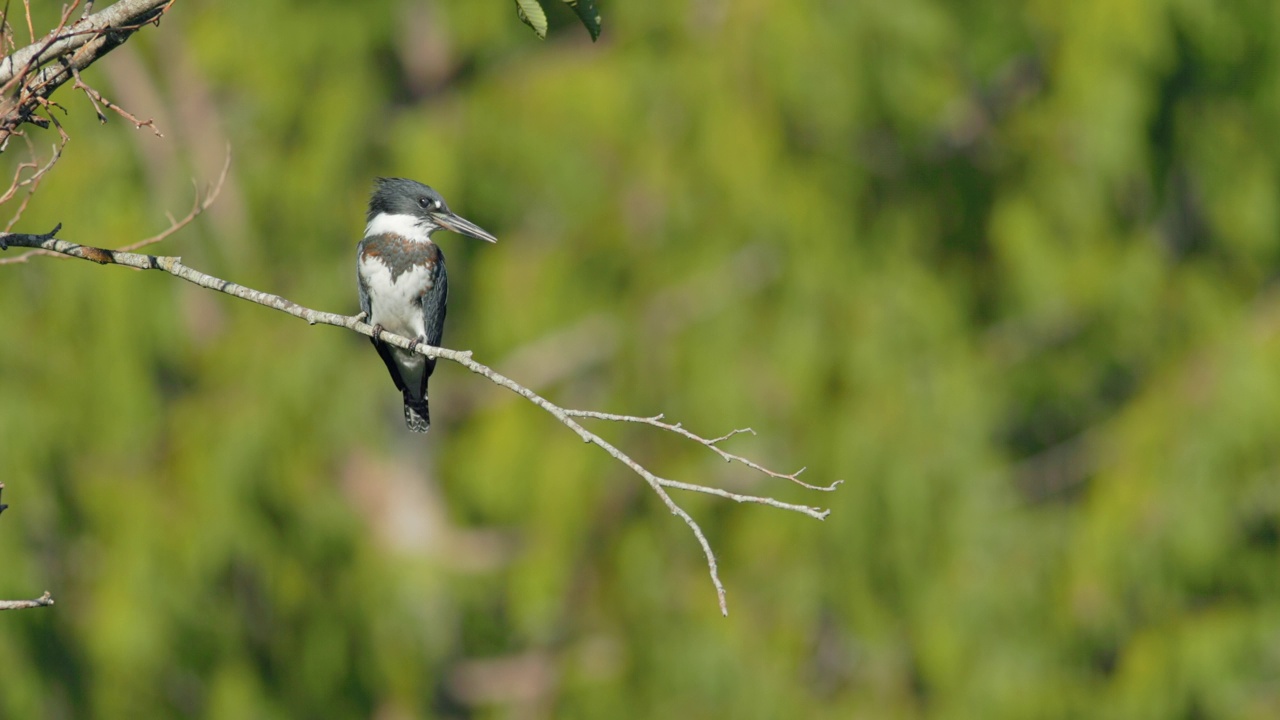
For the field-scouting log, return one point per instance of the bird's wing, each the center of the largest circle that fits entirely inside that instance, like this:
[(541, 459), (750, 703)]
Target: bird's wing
[(434, 305), (364, 291), (434, 302)]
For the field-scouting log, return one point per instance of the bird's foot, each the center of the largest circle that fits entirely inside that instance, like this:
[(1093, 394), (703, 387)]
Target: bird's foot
[(416, 342), (377, 331)]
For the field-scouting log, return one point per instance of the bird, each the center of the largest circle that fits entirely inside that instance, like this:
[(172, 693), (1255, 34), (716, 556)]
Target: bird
[(401, 277)]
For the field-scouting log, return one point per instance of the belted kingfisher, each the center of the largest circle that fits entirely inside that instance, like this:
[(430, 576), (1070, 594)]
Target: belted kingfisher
[(401, 277)]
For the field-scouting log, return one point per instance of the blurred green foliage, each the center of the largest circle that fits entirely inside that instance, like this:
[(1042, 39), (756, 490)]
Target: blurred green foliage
[(1006, 268)]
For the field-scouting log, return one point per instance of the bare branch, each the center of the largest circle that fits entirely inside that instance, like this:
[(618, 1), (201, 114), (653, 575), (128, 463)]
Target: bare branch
[(44, 600), (174, 266), (30, 75), (126, 15), (813, 512), (678, 429)]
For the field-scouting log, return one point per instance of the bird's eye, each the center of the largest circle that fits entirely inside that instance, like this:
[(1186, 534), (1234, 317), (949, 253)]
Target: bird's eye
[(424, 202)]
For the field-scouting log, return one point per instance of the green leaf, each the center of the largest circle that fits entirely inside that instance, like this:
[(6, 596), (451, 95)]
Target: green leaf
[(532, 14), (587, 13)]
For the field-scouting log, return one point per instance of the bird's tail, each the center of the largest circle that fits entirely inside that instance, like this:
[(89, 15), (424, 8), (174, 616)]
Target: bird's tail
[(416, 414)]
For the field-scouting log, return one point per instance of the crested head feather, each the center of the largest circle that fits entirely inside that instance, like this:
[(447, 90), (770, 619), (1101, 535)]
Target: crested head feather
[(402, 196)]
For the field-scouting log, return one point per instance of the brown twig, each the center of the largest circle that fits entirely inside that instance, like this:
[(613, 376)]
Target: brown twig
[(32, 164), (31, 30), (198, 207), (174, 266), (8, 43), (32, 182), (96, 97)]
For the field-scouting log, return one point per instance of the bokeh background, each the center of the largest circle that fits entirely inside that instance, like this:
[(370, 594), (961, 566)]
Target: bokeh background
[(1006, 268)]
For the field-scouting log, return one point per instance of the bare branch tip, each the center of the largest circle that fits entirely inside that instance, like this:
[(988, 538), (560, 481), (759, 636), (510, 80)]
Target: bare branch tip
[(44, 600)]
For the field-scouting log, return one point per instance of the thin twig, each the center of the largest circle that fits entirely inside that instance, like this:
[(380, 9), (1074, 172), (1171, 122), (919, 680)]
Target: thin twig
[(198, 207), (32, 182), (96, 97), (678, 429), (813, 512), (8, 39), (174, 266)]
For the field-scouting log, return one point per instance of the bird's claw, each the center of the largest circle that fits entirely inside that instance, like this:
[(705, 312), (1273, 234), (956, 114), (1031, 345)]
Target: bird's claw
[(377, 331)]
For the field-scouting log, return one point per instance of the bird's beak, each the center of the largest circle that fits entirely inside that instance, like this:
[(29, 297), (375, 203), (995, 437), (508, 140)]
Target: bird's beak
[(462, 226)]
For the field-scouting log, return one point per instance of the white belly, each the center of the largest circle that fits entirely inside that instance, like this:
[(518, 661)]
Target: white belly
[(397, 307)]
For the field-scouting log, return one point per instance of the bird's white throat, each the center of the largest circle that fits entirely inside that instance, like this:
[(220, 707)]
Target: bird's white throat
[(409, 227)]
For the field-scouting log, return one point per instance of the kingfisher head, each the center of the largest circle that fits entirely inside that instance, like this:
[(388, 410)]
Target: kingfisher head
[(413, 210)]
